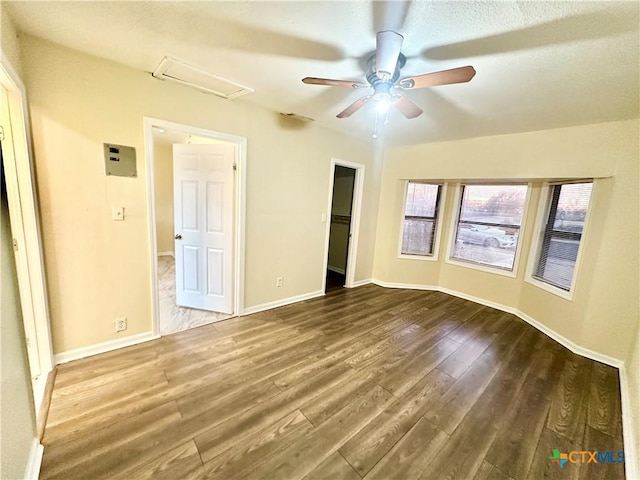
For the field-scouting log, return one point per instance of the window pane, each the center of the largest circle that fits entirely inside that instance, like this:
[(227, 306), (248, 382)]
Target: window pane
[(557, 263), (421, 200), (502, 204), (420, 213), (417, 238), (488, 247), (563, 233), (572, 207), (489, 224)]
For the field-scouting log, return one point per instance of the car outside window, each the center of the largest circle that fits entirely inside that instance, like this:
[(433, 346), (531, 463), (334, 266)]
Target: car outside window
[(488, 225)]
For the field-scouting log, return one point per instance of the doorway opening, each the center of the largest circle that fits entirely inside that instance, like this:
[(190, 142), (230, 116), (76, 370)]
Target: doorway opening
[(343, 221), (25, 230), (196, 203)]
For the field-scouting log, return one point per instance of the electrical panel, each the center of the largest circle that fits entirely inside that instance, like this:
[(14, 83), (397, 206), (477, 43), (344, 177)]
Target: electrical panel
[(120, 160)]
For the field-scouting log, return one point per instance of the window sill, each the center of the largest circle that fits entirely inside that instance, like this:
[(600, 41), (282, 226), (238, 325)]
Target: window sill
[(428, 258), (550, 288), (482, 268)]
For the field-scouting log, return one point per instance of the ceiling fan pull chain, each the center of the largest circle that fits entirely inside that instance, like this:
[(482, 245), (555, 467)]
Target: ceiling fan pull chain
[(375, 126)]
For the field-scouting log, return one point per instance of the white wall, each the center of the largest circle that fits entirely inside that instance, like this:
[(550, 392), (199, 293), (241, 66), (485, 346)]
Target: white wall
[(98, 269)]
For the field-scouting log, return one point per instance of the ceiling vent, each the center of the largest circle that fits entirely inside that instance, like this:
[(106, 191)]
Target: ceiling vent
[(177, 71)]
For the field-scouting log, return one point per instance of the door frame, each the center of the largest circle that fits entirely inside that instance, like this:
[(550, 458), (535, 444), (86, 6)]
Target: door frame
[(26, 231), (354, 226), (239, 207)]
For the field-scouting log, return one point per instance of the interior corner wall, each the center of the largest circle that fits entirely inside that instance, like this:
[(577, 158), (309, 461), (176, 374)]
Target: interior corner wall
[(632, 374), (605, 303), (9, 40), (99, 269), (163, 184)]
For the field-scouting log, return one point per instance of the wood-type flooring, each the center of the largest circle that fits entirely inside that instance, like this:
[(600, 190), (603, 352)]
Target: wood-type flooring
[(369, 383)]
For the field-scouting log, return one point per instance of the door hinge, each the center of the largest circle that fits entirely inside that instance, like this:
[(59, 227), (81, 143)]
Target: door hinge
[(1, 133), (235, 166)]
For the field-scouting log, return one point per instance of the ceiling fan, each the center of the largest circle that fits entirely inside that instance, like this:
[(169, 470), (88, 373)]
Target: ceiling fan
[(383, 75)]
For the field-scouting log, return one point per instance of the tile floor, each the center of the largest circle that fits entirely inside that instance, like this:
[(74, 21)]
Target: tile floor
[(174, 318)]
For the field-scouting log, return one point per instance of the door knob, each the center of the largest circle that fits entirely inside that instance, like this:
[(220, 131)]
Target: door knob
[(178, 236)]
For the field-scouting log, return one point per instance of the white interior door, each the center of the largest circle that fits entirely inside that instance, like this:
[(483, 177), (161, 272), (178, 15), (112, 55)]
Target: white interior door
[(203, 183)]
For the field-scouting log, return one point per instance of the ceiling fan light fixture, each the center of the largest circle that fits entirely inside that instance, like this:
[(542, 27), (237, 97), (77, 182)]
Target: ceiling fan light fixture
[(383, 76), (382, 105)]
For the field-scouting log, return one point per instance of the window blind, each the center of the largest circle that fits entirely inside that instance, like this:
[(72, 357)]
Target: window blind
[(563, 233), (420, 218)]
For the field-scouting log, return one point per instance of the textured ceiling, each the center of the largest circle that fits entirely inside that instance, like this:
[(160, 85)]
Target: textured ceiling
[(539, 64)]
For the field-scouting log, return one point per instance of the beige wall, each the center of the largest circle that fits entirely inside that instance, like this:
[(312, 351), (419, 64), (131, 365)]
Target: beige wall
[(9, 40), (18, 432), (633, 387), (339, 235), (605, 304), (98, 269), (163, 170), (604, 313)]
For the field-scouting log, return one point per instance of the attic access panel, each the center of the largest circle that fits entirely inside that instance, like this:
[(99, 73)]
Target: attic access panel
[(181, 72)]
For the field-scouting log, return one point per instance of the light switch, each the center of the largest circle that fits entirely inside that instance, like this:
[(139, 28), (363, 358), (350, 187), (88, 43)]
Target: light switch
[(323, 217), (117, 213)]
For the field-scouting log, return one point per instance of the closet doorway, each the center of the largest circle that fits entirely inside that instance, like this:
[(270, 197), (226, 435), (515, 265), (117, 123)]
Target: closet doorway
[(343, 219)]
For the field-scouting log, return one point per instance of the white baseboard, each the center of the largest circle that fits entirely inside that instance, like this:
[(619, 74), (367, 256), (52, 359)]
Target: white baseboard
[(83, 352), (575, 348), (481, 301), (408, 286), (336, 269), (360, 283), (38, 390), (166, 254), (631, 467), (630, 449), (282, 303), (32, 472)]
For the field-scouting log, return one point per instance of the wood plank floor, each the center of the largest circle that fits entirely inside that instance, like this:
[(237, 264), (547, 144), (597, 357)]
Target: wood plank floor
[(366, 383)]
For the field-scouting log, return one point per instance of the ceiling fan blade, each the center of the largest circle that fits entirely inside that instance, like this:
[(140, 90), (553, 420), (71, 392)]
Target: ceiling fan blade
[(445, 77), (407, 107), (333, 83), (354, 107), (388, 46)]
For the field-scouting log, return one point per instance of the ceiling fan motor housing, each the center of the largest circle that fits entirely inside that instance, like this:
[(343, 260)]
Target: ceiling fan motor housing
[(382, 88)]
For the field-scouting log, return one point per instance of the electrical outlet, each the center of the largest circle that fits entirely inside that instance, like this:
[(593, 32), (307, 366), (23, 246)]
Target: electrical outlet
[(121, 324), (279, 281)]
